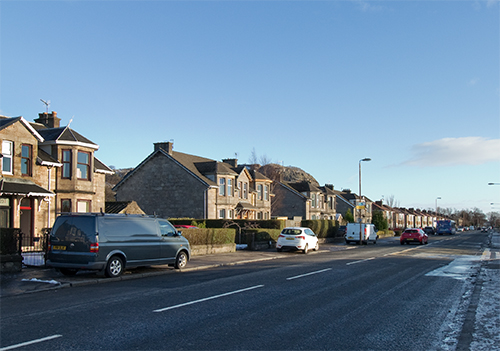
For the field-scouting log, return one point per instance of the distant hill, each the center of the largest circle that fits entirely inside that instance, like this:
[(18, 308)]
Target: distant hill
[(288, 173)]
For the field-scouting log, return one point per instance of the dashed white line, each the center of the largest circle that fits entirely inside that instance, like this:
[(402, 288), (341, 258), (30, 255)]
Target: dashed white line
[(30, 342), (366, 259), (207, 298), (305, 275)]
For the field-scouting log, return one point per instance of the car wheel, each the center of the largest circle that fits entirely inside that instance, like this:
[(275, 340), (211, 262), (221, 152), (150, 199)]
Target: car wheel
[(114, 268), (306, 249), (68, 271), (402, 242), (422, 242), (279, 249), (181, 260), (316, 248)]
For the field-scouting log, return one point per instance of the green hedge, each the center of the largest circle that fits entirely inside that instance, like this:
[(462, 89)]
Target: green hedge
[(258, 235), (220, 223), (209, 236), (324, 228)]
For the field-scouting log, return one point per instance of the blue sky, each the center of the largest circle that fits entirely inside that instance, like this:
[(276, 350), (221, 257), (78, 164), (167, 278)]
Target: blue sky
[(413, 85)]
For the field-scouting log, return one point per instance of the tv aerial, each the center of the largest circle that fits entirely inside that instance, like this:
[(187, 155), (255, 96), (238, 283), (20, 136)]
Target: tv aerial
[(47, 104)]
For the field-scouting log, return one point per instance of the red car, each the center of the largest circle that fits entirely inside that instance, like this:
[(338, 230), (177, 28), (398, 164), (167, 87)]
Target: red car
[(414, 235)]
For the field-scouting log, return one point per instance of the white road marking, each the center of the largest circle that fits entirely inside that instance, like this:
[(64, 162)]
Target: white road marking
[(207, 298), (367, 259), (305, 275), (30, 342)]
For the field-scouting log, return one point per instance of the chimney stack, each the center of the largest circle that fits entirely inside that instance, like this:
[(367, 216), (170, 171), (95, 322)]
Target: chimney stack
[(233, 162), (50, 120), (168, 147)]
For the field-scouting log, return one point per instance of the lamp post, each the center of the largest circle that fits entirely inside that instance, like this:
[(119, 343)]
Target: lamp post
[(493, 183), (437, 198), (359, 205)]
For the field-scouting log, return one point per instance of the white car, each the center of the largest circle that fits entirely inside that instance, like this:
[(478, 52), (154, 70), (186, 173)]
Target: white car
[(297, 238)]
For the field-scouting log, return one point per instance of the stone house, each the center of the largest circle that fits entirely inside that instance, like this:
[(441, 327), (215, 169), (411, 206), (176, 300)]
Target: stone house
[(46, 169), (303, 199), (386, 211), (173, 184), (352, 199)]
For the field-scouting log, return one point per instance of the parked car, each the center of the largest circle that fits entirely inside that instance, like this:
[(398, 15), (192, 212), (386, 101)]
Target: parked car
[(414, 235), (430, 231), (368, 233), (114, 242), (297, 238), (342, 230), (185, 226)]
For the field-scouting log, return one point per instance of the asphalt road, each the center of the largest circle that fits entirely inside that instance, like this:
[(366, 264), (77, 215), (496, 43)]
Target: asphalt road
[(374, 297)]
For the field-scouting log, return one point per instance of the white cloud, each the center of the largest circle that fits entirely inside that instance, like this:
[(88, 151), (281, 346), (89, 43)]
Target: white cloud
[(455, 151)]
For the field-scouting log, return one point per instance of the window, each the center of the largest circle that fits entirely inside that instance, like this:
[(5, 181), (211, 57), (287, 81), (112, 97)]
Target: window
[(166, 228), (229, 187), (240, 189), (66, 162), (266, 193), (65, 205), (7, 153), (259, 191), (26, 159), (313, 201), (83, 206), (222, 213), (222, 186), (83, 165), (245, 190)]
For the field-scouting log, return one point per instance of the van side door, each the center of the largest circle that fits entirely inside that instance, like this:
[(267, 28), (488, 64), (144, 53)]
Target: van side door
[(170, 240)]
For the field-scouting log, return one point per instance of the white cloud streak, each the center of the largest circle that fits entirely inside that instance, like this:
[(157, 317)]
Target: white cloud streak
[(455, 151)]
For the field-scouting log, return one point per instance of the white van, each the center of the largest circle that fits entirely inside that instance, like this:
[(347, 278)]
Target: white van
[(368, 233)]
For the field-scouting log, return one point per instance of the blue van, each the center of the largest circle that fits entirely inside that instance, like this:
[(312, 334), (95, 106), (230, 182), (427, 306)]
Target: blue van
[(113, 242)]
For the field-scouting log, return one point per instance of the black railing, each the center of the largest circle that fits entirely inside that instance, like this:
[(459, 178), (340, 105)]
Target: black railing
[(10, 241)]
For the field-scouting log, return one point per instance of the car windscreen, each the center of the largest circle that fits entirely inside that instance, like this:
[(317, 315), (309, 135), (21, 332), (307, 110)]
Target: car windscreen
[(291, 231), (74, 229), (411, 231)]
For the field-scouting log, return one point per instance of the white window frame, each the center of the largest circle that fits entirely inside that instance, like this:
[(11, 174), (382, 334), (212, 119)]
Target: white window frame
[(229, 187), (222, 186), (7, 154)]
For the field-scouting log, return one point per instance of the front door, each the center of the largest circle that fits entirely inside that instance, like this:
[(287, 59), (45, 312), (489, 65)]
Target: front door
[(26, 219)]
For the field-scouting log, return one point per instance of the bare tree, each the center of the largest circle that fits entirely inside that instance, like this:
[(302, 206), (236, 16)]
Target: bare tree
[(391, 201), (253, 157), (264, 160)]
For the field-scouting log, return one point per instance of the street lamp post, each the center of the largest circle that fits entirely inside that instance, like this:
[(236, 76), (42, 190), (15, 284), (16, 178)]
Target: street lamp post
[(437, 198), (359, 205)]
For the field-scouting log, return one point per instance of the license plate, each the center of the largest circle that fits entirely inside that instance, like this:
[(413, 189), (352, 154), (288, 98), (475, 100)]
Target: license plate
[(61, 248), (290, 238)]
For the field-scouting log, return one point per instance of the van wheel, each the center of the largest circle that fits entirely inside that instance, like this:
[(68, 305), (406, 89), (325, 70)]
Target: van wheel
[(181, 260), (114, 268), (68, 271)]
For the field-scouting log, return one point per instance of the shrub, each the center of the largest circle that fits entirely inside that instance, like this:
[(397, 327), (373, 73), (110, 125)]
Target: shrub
[(209, 236), (259, 235)]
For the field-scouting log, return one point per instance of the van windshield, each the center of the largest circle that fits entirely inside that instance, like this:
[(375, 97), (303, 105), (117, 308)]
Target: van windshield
[(74, 229)]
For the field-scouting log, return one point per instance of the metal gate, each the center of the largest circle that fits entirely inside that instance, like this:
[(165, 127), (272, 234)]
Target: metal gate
[(34, 249)]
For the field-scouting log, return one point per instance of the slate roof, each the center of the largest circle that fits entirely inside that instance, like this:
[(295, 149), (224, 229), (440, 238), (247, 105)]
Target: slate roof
[(62, 134), (7, 121), (46, 159), (101, 167), (18, 186), (304, 186)]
